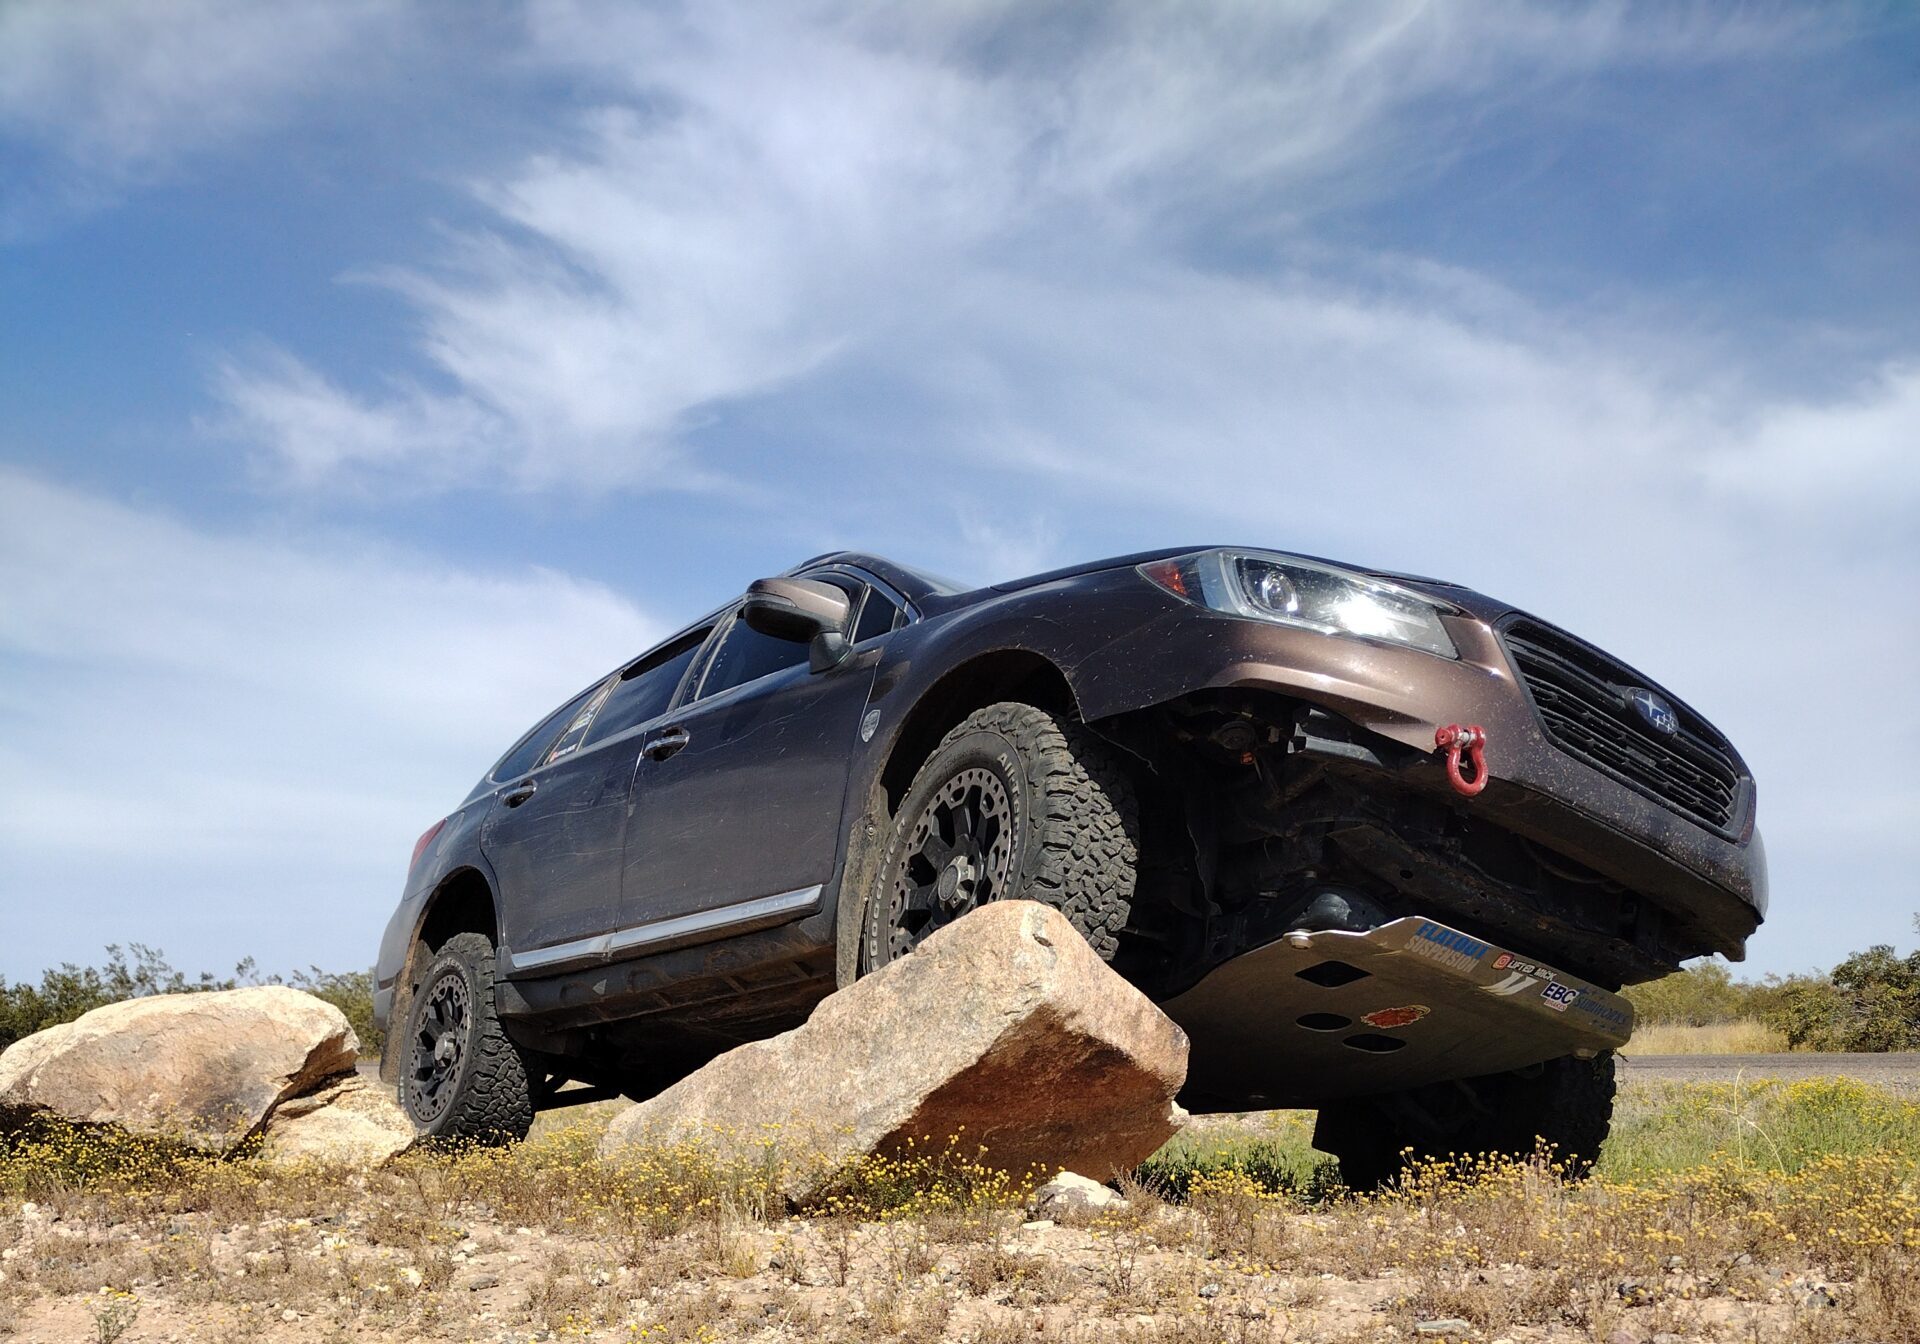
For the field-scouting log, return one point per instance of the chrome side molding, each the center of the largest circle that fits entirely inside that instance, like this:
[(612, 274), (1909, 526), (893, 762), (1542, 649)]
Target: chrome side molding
[(722, 919)]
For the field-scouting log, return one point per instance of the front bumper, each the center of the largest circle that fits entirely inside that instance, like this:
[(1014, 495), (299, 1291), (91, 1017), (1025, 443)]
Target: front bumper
[(1318, 1017), (1709, 883)]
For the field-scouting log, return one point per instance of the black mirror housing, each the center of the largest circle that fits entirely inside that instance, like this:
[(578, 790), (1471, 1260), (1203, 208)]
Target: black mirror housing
[(799, 610)]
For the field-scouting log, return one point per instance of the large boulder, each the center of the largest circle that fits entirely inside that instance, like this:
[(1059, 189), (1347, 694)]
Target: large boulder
[(1003, 1029), (203, 1069), (348, 1119)]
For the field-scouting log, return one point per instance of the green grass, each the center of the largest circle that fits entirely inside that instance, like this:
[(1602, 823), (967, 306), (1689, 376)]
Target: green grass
[(1273, 1148), (1771, 1124), (1663, 1128)]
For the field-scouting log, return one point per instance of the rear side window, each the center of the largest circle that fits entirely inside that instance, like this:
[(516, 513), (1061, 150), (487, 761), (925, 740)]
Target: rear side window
[(576, 728), (533, 746), (646, 689)]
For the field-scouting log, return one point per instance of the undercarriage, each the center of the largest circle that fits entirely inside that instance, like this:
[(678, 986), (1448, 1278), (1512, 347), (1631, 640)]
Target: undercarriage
[(1271, 816)]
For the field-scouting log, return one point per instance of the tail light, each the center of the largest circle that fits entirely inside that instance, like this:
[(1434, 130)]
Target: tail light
[(420, 845)]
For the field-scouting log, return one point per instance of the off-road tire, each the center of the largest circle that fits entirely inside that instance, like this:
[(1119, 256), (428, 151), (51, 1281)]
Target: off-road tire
[(1566, 1103), (491, 1085), (1075, 823)]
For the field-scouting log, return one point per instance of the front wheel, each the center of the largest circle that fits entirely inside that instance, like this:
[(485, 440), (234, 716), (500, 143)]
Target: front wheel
[(460, 1076), (1565, 1104), (1014, 804)]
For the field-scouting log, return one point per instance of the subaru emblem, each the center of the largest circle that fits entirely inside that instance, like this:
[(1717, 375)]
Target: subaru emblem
[(1658, 713)]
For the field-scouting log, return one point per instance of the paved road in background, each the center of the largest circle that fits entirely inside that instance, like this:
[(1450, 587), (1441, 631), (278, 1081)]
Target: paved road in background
[(1900, 1071)]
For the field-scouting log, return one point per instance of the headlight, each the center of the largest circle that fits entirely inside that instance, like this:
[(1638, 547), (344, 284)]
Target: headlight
[(1303, 593)]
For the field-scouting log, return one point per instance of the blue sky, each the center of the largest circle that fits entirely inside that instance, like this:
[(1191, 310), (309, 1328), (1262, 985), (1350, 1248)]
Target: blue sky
[(372, 375)]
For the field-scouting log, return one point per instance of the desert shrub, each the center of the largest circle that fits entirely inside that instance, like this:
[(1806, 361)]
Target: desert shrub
[(66, 993), (137, 970), (1278, 1160), (352, 993), (1871, 1001), (1700, 996)]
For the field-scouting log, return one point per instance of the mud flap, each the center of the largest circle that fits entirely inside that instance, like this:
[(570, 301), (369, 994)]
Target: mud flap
[(1317, 1017)]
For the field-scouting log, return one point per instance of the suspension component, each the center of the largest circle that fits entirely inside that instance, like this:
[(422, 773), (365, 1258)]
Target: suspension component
[(1472, 740)]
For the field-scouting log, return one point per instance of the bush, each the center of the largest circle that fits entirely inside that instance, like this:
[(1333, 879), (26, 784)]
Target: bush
[(1700, 996), (1871, 1001), (65, 994), (352, 993)]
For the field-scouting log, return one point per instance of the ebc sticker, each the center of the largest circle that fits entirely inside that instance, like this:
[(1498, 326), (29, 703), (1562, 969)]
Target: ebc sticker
[(1559, 997)]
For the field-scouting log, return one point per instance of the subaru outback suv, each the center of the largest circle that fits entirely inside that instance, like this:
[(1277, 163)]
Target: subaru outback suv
[(1383, 846)]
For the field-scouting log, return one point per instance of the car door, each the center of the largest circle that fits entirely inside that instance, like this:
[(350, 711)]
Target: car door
[(737, 804), (555, 838)]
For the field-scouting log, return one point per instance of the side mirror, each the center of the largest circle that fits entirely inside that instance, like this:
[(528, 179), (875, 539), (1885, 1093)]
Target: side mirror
[(804, 611)]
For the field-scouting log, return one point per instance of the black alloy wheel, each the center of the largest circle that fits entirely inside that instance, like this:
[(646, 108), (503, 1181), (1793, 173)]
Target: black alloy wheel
[(439, 1046), (959, 855), (1016, 803), (462, 1077)]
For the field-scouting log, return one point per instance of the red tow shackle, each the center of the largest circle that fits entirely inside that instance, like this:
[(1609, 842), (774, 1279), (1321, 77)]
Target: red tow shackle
[(1453, 739)]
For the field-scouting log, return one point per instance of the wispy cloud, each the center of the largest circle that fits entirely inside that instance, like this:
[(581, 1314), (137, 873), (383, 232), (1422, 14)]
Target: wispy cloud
[(230, 738), (99, 96), (759, 194)]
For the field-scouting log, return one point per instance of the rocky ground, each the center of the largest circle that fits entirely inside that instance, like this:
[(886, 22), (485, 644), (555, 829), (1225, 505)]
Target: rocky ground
[(1170, 1276), (550, 1241)]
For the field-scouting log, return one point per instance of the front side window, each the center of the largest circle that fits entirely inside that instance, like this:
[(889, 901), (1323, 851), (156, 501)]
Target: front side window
[(646, 689), (877, 617), (747, 655)]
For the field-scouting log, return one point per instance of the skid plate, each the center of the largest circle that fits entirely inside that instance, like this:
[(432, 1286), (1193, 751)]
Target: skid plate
[(1316, 1017)]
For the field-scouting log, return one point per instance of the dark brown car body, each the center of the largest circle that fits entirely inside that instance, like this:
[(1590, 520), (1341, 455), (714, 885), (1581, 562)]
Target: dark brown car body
[(738, 834)]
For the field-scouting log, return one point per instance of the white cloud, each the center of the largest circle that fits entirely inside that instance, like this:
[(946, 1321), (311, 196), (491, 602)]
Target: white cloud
[(117, 92), (229, 740), (761, 193)]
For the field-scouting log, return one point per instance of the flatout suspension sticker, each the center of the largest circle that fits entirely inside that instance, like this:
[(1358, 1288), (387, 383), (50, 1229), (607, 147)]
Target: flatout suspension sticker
[(1397, 1017), (1437, 942)]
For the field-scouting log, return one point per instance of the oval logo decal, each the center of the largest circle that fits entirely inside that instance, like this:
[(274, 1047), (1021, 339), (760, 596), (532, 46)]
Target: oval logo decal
[(1655, 712)]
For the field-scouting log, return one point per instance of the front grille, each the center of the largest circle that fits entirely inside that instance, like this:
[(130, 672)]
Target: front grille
[(1580, 695)]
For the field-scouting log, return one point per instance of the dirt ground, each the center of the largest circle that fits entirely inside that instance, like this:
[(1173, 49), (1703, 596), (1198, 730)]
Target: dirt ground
[(799, 1279), (1776, 1213)]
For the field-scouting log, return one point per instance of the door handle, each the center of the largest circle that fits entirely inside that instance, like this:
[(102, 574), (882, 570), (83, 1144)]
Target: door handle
[(663, 744), (519, 793)]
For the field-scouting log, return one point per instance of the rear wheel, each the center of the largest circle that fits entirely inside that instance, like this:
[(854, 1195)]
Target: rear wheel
[(460, 1076), (1015, 803), (1565, 1103)]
